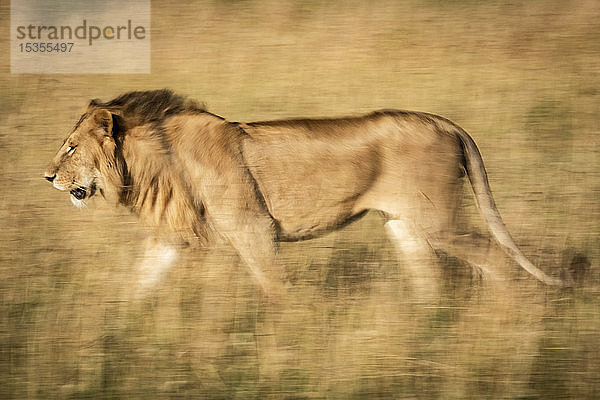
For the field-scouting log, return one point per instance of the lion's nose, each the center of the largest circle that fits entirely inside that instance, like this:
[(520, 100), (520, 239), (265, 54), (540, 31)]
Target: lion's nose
[(49, 178)]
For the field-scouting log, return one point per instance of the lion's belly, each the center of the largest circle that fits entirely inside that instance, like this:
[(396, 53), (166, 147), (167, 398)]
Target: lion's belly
[(316, 224), (309, 189)]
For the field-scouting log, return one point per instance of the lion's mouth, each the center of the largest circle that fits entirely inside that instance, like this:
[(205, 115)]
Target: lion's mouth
[(82, 192), (79, 193)]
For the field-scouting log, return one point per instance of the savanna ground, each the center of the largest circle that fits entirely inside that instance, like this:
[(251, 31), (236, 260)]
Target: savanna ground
[(522, 77)]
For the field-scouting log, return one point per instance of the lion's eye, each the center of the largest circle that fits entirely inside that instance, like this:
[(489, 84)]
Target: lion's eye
[(71, 149)]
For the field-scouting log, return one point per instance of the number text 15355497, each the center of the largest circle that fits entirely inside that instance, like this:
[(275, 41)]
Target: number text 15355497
[(46, 47)]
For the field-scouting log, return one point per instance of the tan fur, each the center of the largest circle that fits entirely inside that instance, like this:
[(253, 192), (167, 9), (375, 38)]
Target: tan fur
[(190, 174)]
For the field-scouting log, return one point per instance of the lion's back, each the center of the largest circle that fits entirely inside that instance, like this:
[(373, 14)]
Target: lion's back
[(314, 172)]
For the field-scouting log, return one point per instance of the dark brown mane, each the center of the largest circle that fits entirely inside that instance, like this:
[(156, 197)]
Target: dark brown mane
[(149, 106)]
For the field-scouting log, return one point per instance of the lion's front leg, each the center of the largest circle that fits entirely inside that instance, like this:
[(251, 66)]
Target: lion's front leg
[(253, 237), (258, 250), (158, 258), (237, 213)]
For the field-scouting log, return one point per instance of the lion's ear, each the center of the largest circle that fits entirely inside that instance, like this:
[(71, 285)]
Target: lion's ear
[(103, 119), (93, 104)]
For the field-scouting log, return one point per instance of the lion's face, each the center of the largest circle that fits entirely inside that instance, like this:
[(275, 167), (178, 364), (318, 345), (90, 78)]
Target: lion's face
[(76, 166)]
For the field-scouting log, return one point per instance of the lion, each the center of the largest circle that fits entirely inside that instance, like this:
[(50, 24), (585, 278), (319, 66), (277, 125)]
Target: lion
[(192, 176)]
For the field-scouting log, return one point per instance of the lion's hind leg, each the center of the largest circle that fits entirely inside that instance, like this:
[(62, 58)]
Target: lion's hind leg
[(417, 258), (485, 259)]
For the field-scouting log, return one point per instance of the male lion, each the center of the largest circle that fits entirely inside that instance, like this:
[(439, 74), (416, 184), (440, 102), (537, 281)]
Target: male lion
[(189, 174)]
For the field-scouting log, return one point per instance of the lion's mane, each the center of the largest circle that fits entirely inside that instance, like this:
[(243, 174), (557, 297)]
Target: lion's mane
[(140, 169)]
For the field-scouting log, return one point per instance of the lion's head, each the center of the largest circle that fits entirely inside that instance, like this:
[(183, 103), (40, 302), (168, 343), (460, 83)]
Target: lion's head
[(81, 163)]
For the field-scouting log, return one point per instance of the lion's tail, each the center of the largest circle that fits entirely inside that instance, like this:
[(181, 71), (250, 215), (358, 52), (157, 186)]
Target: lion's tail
[(487, 207)]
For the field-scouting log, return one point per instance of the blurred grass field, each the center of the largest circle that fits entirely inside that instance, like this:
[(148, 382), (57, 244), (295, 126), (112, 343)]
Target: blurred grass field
[(523, 78)]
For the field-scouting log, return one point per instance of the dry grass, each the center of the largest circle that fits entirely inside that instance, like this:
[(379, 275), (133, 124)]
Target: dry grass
[(523, 78)]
